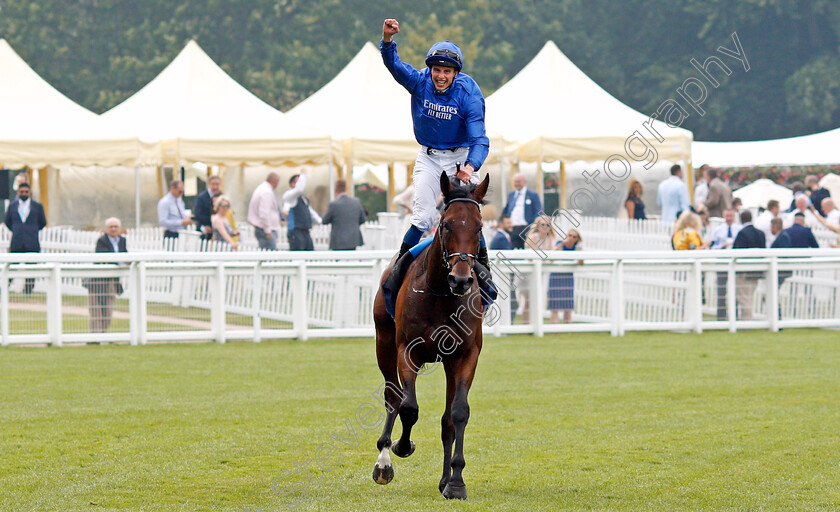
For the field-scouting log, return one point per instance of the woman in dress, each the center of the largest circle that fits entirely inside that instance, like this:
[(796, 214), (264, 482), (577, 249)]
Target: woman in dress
[(222, 230), (540, 238), (634, 204), (561, 285)]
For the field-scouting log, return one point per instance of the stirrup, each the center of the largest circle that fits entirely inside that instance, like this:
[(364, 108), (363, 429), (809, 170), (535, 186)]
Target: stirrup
[(488, 290)]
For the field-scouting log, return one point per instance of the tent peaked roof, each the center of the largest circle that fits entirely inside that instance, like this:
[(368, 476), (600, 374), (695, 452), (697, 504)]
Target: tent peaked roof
[(40, 126), (566, 115), (214, 118), (365, 108)]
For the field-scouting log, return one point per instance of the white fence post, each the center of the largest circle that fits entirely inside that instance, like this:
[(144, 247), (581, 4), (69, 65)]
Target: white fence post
[(217, 304), (140, 291), (256, 300), (617, 302), (300, 306), (731, 305), (537, 298), (133, 305), (773, 294), (695, 291), (54, 312), (4, 304)]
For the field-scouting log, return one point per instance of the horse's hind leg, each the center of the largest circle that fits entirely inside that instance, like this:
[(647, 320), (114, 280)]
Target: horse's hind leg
[(386, 354)]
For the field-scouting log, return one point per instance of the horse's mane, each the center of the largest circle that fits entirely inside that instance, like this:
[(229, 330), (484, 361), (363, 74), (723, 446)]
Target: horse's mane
[(460, 190)]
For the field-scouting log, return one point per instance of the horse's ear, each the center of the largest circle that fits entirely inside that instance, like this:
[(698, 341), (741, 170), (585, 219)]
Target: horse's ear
[(481, 190), (445, 184)]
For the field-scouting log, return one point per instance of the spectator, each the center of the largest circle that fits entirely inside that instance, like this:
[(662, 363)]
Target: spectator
[(724, 238), (776, 227), (720, 195), (701, 191), (672, 195), (171, 211), (561, 285), (406, 200), (502, 240), (25, 218), (264, 214), (817, 193), (798, 191), (686, 235), (824, 221), (832, 214), (102, 291), (540, 238), (345, 214), (724, 235), (204, 207), (737, 206), (223, 231), (745, 282), (797, 236), (300, 214), (523, 206), (703, 213), (764, 218), (801, 205), (634, 204)]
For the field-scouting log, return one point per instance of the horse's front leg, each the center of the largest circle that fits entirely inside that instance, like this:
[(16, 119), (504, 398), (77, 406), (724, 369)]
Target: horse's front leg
[(383, 470), (447, 429), (463, 371), (409, 410)]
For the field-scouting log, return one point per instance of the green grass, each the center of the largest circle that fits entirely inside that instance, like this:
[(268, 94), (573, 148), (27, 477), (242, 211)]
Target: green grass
[(650, 421)]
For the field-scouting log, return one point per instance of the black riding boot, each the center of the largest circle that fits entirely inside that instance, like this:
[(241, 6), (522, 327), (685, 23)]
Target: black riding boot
[(485, 277), (391, 286)]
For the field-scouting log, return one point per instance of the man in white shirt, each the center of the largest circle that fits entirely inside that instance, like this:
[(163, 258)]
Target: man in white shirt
[(172, 215), (722, 238), (672, 195), (701, 191), (832, 214), (264, 213), (300, 214), (762, 222), (800, 205)]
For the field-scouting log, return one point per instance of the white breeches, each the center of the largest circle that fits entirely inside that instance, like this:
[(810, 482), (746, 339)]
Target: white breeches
[(427, 171)]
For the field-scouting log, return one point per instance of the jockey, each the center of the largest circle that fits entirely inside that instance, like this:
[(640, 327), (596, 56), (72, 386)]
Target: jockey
[(448, 112)]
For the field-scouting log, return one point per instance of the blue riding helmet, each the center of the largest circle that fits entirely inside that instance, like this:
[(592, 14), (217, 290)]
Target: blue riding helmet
[(445, 53)]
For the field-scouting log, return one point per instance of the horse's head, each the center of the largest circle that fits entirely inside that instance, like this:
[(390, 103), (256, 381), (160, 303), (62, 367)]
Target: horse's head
[(460, 230)]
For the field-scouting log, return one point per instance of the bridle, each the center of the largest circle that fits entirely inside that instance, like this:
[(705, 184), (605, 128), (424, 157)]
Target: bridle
[(462, 256)]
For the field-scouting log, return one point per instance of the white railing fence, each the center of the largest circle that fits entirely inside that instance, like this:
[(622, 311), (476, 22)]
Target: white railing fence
[(178, 296)]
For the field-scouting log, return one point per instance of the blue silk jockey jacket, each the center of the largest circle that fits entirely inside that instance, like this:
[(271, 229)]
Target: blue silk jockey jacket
[(450, 119)]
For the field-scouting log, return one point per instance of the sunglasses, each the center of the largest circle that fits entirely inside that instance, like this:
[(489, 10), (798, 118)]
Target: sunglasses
[(443, 52)]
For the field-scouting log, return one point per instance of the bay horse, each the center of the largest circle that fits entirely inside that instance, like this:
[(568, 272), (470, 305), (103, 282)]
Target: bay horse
[(438, 320)]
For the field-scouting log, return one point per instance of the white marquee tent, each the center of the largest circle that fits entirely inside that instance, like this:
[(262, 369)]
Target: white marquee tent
[(556, 112), (759, 192), (815, 149), (200, 113), (39, 126)]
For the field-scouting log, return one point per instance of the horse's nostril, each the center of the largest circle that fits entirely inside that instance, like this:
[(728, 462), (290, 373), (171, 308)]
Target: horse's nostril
[(470, 282), (452, 281)]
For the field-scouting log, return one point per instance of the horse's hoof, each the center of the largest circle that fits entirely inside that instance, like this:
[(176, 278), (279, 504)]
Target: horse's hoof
[(384, 475), (452, 492), (395, 449)]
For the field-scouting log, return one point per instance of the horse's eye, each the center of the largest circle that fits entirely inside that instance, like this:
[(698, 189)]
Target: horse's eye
[(445, 226)]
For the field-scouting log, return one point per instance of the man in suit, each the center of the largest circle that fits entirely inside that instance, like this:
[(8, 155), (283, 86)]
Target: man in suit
[(503, 242), (797, 236), (346, 214), (25, 218), (204, 206), (102, 291), (523, 206), (749, 237), (720, 195)]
